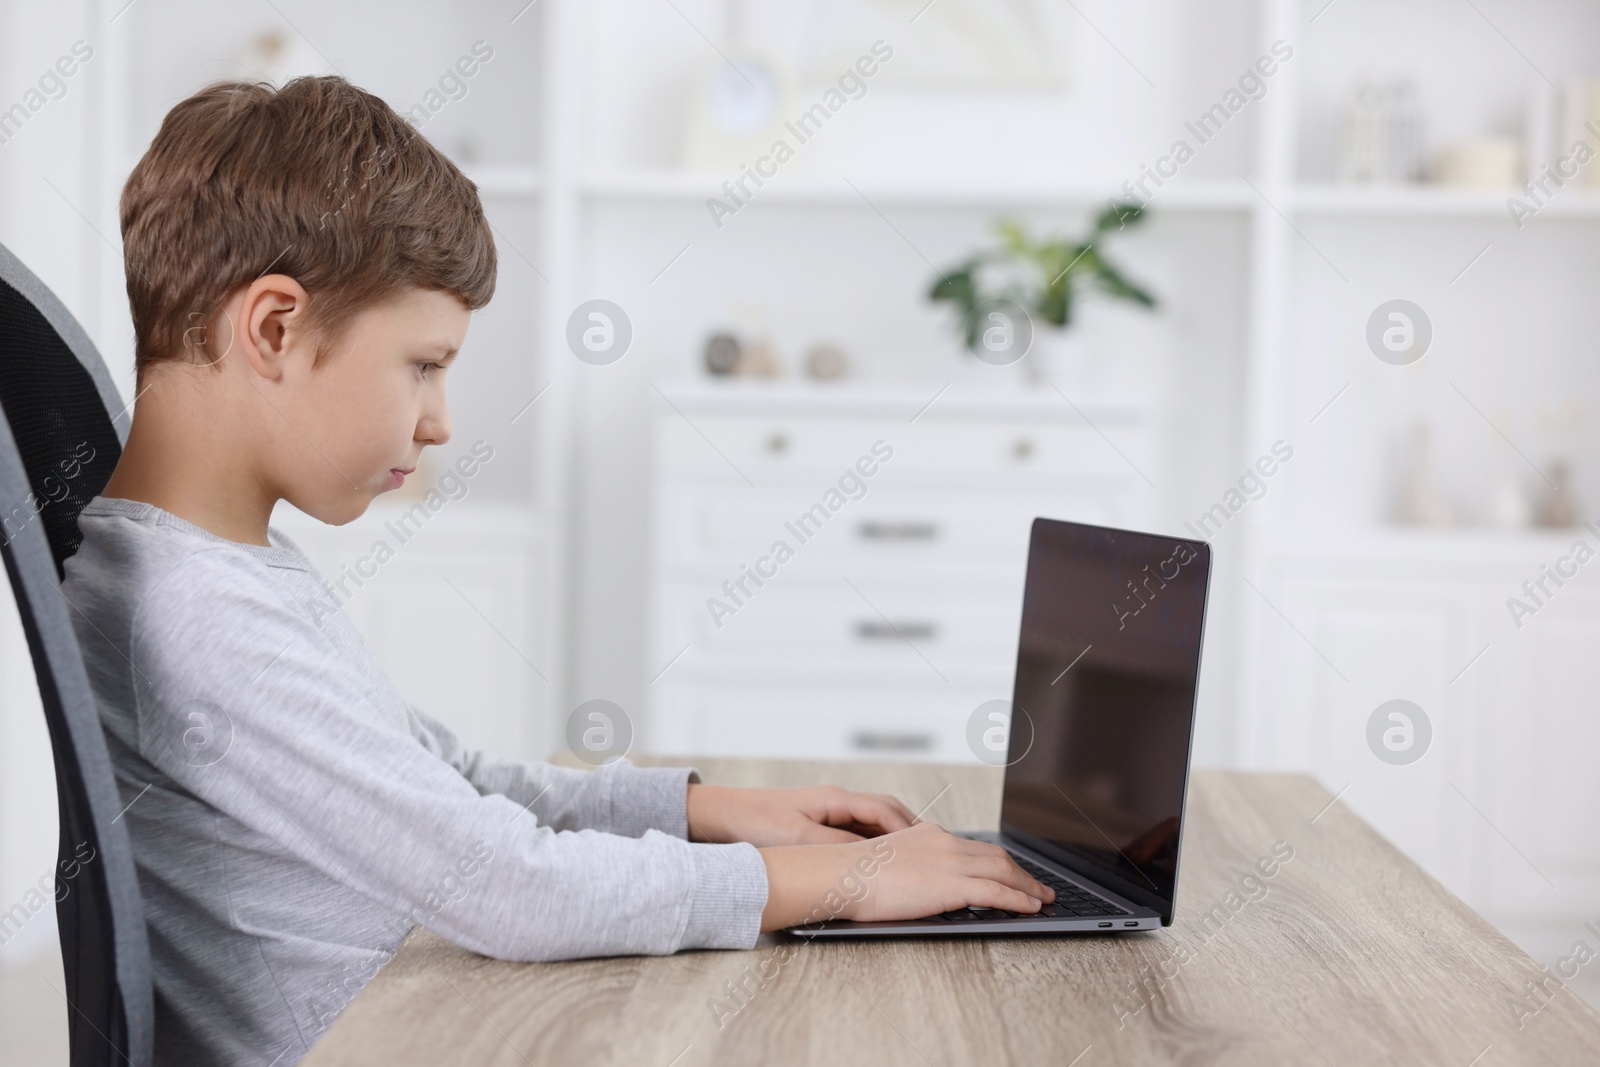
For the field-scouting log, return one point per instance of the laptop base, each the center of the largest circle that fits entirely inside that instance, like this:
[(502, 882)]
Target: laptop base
[(1133, 917)]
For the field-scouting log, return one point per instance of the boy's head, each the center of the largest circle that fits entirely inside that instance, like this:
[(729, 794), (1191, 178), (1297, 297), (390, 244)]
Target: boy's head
[(298, 260)]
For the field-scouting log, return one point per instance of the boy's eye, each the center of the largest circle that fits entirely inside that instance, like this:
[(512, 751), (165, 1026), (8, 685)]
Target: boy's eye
[(422, 368)]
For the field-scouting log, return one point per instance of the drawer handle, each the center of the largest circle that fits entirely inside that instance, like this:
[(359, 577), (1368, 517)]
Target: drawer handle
[(898, 531), (778, 444), (1022, 451), (879, 630), (865, 741)]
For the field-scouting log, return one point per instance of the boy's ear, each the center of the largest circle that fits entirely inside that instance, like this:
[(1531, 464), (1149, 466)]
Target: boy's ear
[(272, 319)]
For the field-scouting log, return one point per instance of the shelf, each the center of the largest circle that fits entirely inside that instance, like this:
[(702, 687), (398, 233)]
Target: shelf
[(675, 186), (1425, 201)]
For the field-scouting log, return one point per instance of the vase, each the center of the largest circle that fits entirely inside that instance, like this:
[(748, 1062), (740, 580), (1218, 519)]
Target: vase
[(1064, 358), (972, 373)]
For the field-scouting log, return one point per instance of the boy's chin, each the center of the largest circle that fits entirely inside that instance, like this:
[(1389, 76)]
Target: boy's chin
[(335, 510)]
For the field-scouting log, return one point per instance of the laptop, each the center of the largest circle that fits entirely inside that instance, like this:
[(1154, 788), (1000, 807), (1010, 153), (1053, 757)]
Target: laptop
[(1101, 727)]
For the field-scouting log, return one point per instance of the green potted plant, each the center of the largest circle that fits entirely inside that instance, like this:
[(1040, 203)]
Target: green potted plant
[(1042, 278)]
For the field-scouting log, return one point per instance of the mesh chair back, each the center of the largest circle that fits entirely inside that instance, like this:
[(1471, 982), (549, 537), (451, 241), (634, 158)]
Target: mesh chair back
[(58, 445)]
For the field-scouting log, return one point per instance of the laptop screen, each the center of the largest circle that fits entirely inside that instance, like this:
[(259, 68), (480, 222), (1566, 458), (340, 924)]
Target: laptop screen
[(1103, 712)]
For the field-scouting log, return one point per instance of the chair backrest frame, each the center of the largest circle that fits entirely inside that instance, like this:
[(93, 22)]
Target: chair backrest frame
[(104, 944)]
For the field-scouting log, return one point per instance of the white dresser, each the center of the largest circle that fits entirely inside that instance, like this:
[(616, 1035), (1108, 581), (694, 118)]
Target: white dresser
[(838, 572)]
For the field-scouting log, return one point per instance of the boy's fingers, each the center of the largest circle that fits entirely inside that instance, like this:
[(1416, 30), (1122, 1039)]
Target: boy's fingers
[(983, 893), (880, 811), (899, 809), (818, 834), (1023, 902), (999, 866), (877, 808), (862, 809)]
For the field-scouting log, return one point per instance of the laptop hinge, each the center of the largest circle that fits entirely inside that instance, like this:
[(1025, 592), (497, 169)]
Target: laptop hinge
[(1090, 872)]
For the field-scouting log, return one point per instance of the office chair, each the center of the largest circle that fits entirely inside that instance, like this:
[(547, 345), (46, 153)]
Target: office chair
[(58, 446)]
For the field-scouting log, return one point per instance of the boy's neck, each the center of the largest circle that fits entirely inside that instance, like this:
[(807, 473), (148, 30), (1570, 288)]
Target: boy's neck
[(192, 473)]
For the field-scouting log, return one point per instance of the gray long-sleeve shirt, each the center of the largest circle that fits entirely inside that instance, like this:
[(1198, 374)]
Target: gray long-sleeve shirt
[(292, 817)]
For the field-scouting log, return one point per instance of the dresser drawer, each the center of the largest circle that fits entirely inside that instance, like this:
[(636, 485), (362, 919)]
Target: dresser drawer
[(768, 449), (849, 621), (922, 530), (819, 723)]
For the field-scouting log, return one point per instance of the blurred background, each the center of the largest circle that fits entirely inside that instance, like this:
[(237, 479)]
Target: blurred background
[(1310, 280)]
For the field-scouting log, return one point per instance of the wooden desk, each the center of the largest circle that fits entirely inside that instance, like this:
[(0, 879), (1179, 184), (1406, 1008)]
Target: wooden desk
[(1348, 954)]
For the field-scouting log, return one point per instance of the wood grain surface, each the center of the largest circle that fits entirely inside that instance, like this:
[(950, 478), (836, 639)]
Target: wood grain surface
[(1347, 954)]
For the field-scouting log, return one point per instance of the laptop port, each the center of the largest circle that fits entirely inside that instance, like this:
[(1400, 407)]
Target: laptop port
[(1133, 923), (1105, 924)]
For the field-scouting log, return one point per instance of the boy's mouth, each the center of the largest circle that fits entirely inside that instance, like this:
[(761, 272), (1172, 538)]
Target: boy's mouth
[(397, 477)]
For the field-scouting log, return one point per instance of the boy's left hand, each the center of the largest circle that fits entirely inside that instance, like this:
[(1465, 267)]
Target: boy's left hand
[(819, 815)]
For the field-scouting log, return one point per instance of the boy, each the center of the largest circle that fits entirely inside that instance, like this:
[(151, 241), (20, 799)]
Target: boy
[(302, 267)]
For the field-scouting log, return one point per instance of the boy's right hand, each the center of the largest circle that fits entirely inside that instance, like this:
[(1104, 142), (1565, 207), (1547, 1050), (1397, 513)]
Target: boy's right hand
[(909, 874)]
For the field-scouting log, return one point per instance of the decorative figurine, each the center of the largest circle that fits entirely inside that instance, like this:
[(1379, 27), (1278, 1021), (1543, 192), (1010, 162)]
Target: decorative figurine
[(758, 359), (826, 362), (1558, 507), (722, 354)]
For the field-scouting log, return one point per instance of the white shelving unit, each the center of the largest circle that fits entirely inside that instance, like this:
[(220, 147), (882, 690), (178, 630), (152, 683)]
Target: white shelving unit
[(1348, 611)]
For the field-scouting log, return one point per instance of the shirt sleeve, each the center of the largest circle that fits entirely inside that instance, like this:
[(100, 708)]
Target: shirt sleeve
[(246, 704), (618, 797)]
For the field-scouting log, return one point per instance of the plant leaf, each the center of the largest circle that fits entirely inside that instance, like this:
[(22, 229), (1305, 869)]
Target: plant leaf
[(957, 286), (1116, 285), (1055, 304), (1118, 215), (1012, 237)]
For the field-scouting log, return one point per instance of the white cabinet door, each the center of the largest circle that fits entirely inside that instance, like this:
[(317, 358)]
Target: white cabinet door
[(1503, 805), (1342, 649), (1394, 651), (1543, 852), (455, 635)]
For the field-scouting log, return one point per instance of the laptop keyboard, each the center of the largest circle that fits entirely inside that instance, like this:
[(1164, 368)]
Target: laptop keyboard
[(1071, 901)]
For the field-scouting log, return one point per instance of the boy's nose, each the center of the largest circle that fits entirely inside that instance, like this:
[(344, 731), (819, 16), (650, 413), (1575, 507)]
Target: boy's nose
[(434, 428)]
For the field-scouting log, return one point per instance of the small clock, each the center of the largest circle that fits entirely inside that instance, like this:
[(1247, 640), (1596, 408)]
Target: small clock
[(736, 110), (741, 98)]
